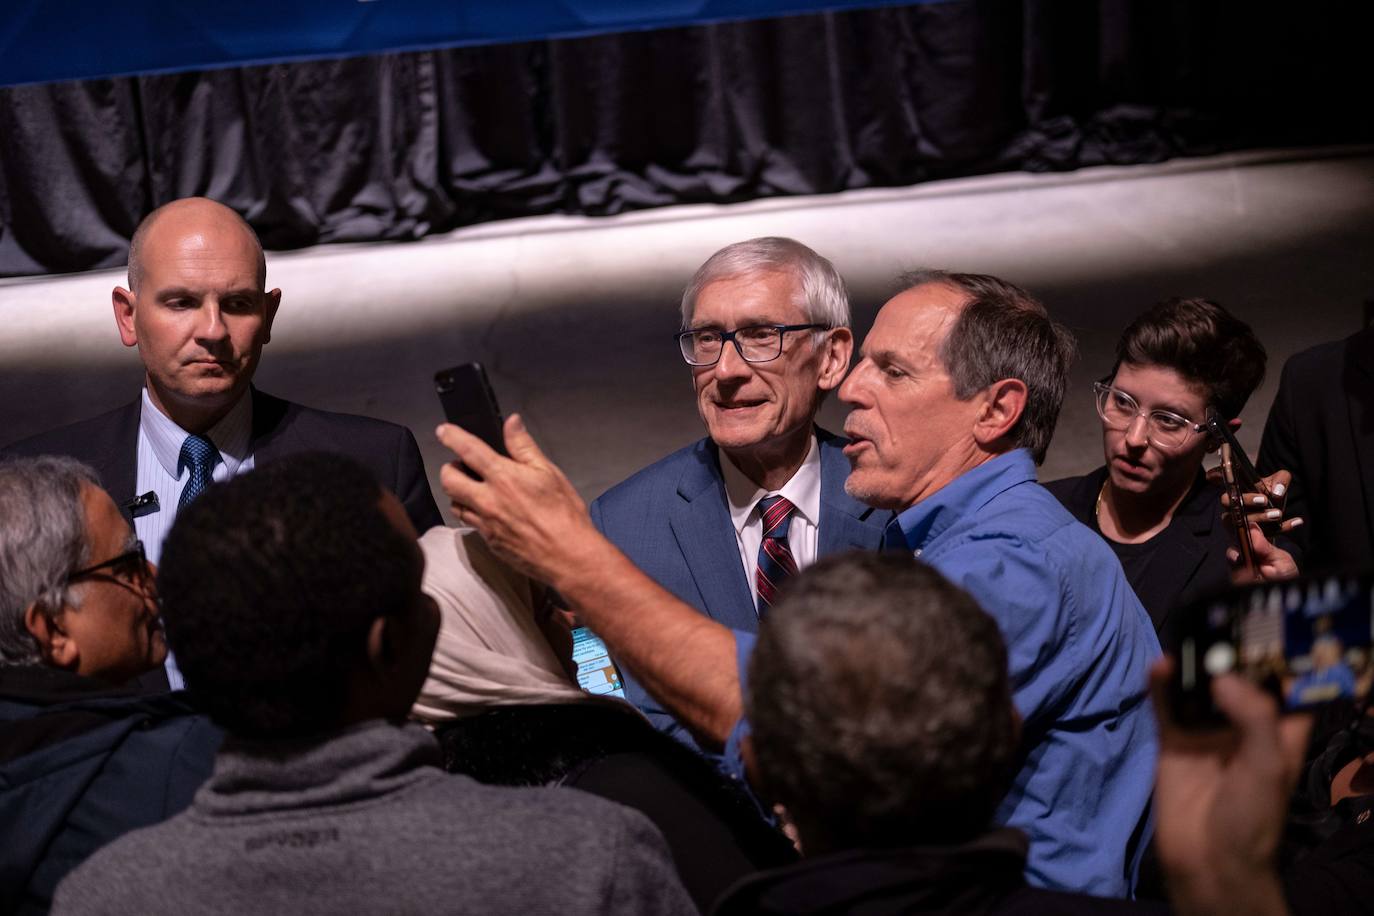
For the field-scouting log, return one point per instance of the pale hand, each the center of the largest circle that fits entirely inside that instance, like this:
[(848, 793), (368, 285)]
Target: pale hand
[(524, 507)]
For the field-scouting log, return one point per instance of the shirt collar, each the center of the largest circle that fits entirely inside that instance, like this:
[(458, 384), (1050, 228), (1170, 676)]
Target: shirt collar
[(230, 435), (802, 491), (928, 519)]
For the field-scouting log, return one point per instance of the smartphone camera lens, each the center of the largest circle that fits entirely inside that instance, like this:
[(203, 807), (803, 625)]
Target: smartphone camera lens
[(1220, 659)]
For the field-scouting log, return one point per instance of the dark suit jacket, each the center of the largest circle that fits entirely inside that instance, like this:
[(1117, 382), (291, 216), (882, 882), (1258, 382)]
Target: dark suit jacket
[(1190, 559), (1321, 428), (109, 444), (673, 520)]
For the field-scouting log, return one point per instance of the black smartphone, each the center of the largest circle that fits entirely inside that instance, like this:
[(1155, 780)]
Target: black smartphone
[(469, 401), (1307, 641)]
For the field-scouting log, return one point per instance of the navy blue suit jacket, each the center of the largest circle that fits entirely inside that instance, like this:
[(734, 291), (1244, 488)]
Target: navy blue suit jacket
[(673, 520)]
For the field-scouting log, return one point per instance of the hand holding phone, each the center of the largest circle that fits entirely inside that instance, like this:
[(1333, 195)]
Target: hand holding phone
[(1306, 641), (1221, 800), (1252, 508), (468, 400)]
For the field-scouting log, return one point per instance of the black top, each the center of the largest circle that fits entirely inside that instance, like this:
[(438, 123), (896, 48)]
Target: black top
[(1185, 560), (1337, 877), (980, 877), (713, 827), (1326, 858), (1136, 558)]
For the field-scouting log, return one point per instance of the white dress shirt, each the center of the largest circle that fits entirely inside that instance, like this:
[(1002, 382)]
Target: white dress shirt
[(159, 449), (803, 491)]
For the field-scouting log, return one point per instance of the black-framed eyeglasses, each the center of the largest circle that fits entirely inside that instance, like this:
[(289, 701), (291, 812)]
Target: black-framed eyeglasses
[(131, 566), (755, 343), (1163, 428)]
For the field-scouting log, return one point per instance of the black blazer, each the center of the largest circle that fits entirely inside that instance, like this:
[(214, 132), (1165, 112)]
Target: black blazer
[(1321, 428), (1191, 558), (109, 444)]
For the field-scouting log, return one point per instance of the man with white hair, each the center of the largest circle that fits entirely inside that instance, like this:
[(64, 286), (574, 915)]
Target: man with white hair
[(720, 523), (954, 402)]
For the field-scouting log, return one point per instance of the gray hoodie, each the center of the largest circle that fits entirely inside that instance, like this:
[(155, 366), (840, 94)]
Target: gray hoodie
[(365, 822)]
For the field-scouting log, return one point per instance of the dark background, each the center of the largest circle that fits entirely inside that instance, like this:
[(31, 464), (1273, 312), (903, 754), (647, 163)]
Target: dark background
[(399, 146)]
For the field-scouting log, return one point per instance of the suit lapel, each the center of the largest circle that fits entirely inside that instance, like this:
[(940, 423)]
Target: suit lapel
[(1357, 375), (116, 460), (705, 534), (272, 435), (845, 523)]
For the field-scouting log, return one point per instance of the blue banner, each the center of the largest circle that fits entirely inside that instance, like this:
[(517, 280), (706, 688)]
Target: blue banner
[(47, 40)]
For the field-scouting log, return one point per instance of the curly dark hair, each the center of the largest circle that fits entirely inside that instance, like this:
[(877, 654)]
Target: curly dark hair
[(880, 705), (269, 583), (1200, 340)]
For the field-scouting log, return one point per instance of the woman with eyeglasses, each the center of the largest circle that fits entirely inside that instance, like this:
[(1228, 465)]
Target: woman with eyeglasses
[(1152, 501)]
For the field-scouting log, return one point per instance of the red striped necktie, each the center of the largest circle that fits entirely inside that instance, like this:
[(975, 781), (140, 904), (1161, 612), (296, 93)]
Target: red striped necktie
[(776, 562)]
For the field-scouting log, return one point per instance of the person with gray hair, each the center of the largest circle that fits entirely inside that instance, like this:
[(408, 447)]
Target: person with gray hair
[(884, 729), (53, 520), (83, 758), (819, 290), (765, 333), (956, 459), (42, 537)]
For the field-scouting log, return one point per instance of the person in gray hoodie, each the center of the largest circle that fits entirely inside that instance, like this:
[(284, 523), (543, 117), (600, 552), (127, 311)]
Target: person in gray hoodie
[(292, 598)]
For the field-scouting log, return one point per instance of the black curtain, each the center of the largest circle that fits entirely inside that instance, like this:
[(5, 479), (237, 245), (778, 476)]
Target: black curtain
[(398, 146)]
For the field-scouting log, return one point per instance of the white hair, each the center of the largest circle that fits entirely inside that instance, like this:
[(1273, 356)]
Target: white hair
[(821, 293)]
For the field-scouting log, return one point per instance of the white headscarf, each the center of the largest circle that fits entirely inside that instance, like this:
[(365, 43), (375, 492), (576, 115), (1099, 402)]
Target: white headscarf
[(490, 652)]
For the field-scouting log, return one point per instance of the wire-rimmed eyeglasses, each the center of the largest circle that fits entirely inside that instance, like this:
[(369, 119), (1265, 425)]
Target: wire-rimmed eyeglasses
[(755, 343), (1164, 429)]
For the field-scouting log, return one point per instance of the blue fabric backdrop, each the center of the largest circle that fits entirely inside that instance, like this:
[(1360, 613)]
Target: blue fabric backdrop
[(47, 40)]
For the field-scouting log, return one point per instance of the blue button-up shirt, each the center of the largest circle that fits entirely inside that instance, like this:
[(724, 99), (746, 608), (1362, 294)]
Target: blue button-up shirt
[(1079, 646)]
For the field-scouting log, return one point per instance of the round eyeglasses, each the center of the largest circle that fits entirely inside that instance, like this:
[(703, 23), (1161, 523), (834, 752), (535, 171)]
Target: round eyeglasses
[(1163, 429), (756, 343)]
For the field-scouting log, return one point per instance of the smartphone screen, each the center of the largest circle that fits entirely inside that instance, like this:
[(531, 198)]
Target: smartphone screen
[(596, 673), (1307, 641)]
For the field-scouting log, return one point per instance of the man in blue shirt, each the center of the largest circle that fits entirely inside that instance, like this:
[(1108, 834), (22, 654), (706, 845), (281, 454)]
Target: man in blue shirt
[(954, 401)]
